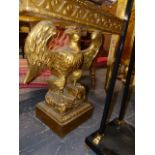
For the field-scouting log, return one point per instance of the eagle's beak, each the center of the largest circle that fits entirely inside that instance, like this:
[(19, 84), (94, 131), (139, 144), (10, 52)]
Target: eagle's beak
[(31, 74)]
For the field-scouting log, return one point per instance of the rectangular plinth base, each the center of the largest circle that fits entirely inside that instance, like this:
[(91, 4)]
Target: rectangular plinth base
[(117, 140), (62, 125)]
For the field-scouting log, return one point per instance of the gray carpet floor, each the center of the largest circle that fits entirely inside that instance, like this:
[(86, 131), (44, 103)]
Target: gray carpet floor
[(35, 138)]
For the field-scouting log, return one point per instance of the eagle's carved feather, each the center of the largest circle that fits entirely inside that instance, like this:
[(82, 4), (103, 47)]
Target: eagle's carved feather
[(63, 61)]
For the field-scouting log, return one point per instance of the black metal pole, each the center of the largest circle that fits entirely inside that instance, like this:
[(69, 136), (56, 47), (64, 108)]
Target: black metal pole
[(115, 69), (127, 84)]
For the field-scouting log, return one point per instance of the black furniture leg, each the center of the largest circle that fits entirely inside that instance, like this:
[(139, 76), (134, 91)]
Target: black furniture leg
[(127, 85), (94, 140), (115, 69), (119, 138)]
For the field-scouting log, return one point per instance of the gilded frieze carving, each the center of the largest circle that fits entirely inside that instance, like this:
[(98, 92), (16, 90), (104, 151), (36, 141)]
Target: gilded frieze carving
[(75, 11)]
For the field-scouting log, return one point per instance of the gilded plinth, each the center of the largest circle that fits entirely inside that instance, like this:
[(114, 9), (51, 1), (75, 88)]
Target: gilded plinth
[(63, 112)]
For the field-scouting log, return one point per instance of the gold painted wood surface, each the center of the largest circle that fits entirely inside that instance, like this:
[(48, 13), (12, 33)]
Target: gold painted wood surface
[(65, 95), (129, 39), (63, 124), (120, 11), (125, 58), (73, 11)]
